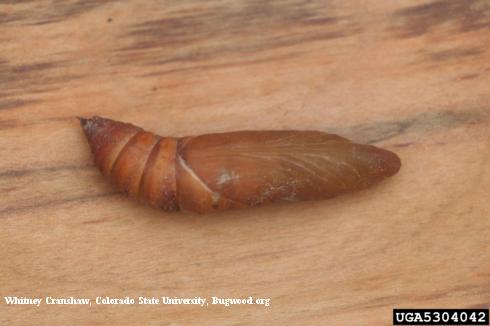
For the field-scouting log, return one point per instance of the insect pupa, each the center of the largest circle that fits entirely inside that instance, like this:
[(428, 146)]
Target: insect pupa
[(220, 171)]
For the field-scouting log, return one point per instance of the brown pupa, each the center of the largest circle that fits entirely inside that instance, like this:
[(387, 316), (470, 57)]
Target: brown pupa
[(220, 171)]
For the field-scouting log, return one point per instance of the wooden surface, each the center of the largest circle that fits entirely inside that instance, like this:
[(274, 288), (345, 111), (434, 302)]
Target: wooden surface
[(410, 76)]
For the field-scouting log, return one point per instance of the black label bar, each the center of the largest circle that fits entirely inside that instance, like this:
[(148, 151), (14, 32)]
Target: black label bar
[(440, 316)]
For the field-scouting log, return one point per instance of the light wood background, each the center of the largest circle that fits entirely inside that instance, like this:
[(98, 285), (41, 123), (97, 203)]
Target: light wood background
[(410, 76)]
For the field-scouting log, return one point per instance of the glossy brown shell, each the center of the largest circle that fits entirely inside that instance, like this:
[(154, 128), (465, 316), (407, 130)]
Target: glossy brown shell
[(239, 169)]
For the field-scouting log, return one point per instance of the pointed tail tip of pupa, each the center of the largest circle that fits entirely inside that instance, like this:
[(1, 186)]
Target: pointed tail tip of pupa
[(89, 125), (83, 121)]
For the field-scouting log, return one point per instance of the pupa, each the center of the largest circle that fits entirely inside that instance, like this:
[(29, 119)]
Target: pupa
[(229, 170)]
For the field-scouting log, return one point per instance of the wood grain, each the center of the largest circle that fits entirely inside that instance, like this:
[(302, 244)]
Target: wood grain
[(409, 76)]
